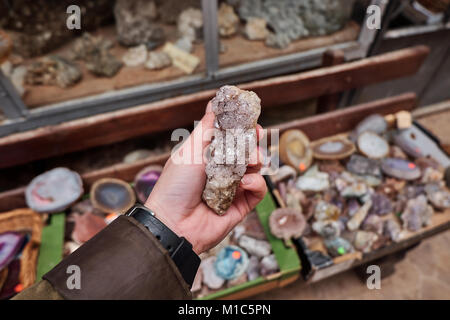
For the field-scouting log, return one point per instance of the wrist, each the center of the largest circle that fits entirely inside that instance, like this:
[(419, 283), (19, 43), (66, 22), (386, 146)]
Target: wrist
[(175, 225)]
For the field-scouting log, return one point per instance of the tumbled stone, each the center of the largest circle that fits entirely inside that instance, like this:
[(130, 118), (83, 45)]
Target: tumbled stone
[(158, 60), (236, 114), (417, 213), (227, 20), (256, 29), (259, 248), (135, 56)]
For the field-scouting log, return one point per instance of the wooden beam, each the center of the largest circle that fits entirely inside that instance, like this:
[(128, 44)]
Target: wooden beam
[(182, 111), (315, 127)]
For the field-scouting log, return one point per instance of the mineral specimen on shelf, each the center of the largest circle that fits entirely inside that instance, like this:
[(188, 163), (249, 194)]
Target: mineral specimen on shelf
[(277, 41), (181, 59), (236, 114), (381, 205), (53, 70), (373, 223), (253, 268), (359, 216), (95, 52), (112, 195), (338, 246), (372, 145), (283, 173), (184, 44), (190, 24), (259, 248), (210, 277), (327, 228), (326, 211), (364, 166), (145, 181), (438, 196), (228, 21), (135, 23), (393, 229), (334, 148), (158, 60), (256, 29), (286, 223), (268, 265), (231, 262), (400, 169), (17, 77), (373, 123), (364, 240), (135, 56), (54, 190), (87, 225), (313, 180), (417, 213), (137, 155), (295, 150), (10, 245)]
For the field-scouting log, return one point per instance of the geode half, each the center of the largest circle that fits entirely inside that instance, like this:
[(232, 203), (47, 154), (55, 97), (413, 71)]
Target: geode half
[(237, 113)]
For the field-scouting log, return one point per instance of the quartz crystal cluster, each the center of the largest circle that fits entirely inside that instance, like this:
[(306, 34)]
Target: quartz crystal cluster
[(237, 113)]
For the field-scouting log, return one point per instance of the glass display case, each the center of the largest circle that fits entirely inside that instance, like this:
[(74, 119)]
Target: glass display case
[(72, 60)]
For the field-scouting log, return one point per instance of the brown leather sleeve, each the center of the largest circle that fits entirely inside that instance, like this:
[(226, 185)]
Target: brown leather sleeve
[(123, 261), (41, 290)]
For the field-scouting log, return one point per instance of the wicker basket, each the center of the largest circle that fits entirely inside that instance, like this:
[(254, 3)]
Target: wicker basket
[(25, 220)]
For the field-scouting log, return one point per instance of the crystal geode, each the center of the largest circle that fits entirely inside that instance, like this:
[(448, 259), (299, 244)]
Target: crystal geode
[(237, 113)]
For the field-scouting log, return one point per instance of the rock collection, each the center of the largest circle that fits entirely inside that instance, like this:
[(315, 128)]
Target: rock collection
[(360, 193)]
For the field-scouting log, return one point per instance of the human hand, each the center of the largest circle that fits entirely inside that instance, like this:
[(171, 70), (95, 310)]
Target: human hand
[(176, 198)]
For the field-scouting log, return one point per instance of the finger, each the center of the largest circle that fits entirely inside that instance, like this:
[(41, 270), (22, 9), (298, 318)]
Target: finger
[(256, 158), (256, 188)]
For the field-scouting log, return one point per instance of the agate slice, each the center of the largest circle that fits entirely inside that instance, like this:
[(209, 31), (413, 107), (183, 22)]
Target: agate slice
[(374, 123), (146, 180), (236, 114), (333, 148), (231, 262), (372, 145), (400, 169), (10, 244), (295, 150), (286, 223), (54, 190), (112, 195)]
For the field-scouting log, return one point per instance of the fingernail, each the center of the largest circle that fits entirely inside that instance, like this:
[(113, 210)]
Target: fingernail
[(247, 180)]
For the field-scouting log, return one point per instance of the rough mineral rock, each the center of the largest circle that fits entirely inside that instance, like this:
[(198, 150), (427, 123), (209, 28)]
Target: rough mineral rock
[(326, 211), (268, 265), (364, 240), (210, 278), (158, 60), (359, 216), (438, 196), (135, 56), (237, 113), (352, 207), (364, 166), (313, 180), (227, 20), (87, 225), (338, 246), (430, 175), (277, 40), (417, 213), (253, 268), (393, 229), (355, 190), (95, 52), (53, 70), (184, 44), (256, 29), (381, 205), (253, 227), (54, 190), (135, 23), (327, 228), (259, 248), (190, 24), (286, 223), (373, 223)]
